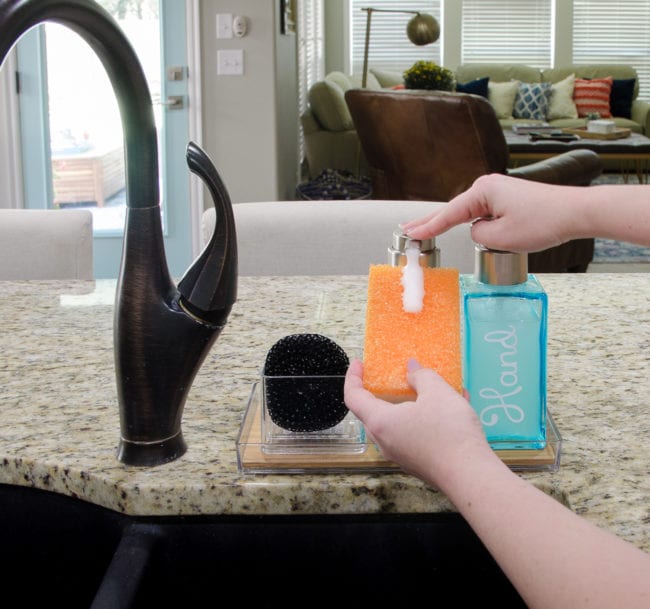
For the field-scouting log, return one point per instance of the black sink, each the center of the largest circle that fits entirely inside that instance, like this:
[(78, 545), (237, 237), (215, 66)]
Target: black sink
[(302, 561), (54, 550), (61, 550)]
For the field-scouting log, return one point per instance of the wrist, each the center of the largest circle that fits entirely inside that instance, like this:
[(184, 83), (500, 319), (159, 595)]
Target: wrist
[(466, 474), (588, 213)]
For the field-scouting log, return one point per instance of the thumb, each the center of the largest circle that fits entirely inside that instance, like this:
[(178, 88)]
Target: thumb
[(492, 233), (421, 378), (482, 230), (412, 365)]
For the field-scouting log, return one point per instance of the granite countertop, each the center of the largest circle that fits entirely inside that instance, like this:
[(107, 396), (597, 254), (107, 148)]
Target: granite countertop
[(60, 422)]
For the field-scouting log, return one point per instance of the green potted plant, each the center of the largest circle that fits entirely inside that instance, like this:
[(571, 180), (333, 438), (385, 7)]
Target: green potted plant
[(428, 75)]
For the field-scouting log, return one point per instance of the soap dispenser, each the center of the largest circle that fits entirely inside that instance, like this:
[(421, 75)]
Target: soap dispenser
[(504, 354), (429, 255)]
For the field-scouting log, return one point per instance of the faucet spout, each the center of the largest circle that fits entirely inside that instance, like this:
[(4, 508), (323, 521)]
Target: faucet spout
[(162, 332)]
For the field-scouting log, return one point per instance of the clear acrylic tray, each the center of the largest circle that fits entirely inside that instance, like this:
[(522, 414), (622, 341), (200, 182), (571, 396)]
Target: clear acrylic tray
[(264, 448)]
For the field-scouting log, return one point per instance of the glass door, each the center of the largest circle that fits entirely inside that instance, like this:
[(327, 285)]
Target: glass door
[(73, 152)]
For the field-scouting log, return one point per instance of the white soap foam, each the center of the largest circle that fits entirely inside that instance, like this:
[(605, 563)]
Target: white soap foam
[(412, 280)]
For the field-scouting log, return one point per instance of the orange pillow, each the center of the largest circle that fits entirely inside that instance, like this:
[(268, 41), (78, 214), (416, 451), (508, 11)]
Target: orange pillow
[(592, 95)]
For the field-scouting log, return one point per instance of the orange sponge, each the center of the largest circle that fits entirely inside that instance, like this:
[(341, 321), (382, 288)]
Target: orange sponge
[(431, 336)]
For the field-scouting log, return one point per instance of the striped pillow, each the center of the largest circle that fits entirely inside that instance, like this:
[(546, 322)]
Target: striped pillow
[(592, 96)]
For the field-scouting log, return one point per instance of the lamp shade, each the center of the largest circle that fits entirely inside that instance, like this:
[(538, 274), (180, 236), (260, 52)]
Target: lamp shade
[(423, 29)]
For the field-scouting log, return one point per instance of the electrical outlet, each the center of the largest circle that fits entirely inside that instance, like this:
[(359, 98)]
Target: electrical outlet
[(230, 62), (224, 25)]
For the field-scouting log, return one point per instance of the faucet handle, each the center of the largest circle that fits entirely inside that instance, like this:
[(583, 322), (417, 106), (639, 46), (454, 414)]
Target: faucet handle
[(209, 286)]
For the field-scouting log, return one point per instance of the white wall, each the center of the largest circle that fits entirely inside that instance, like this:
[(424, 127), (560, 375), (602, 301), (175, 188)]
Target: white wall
[(250, 122)]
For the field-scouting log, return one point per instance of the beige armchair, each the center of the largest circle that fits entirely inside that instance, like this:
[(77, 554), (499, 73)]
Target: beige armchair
[(330, 237), (46, 244)]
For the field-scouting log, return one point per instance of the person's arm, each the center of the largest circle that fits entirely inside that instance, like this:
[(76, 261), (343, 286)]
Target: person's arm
[(530, 216), (552, 556)]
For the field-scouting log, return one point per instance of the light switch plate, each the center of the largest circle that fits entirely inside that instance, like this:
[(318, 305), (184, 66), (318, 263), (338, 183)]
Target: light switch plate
[(230, 62), (224, 25)]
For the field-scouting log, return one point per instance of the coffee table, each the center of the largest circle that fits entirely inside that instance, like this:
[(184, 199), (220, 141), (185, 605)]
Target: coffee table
[(632, 153)]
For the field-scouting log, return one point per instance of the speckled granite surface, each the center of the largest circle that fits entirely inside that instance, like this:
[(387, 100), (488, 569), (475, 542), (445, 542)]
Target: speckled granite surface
[(60, 422)]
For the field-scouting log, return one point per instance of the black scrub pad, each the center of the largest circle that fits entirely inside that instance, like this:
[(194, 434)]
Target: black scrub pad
[(305, 404)]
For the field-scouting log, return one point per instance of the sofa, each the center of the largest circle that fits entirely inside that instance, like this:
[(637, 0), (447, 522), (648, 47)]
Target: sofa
[(563, 107), (330, 137)]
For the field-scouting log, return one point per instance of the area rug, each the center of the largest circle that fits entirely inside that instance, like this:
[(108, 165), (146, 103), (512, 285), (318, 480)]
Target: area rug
[(608, 251)]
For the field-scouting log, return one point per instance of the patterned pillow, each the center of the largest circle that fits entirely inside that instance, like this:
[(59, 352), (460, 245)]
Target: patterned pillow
[(592, 96), (561, 104), (502, 97), (532, 100)]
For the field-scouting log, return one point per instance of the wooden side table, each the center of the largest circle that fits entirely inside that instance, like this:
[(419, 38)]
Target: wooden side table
[(94, 175)]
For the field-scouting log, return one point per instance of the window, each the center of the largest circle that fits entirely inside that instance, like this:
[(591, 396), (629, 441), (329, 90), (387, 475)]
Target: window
[(311, 61), (498, 31), (389, 47), (614, 32)]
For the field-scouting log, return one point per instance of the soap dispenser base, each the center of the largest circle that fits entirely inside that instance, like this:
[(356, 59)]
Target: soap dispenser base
[(147, 454)]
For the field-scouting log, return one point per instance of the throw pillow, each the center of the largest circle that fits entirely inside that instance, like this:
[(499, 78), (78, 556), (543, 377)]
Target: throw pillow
[(592, 96), (621, 98), (531, 101), (561, 104), (340, 79), (478, 86), (357, 79), (387, 79), (327, 102), (502, 97)]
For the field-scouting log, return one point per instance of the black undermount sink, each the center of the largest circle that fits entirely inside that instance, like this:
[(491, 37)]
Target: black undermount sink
[(63, 551)]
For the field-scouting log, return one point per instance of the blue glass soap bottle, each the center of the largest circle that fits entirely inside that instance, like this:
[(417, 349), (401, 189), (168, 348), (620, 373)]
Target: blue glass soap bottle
[(504, 349)]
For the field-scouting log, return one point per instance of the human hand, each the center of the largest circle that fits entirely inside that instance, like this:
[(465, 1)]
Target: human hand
[(427, 437), (508, 214)]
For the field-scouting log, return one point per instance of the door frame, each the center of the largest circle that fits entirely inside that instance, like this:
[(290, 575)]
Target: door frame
[(195, 115), (11, 184)]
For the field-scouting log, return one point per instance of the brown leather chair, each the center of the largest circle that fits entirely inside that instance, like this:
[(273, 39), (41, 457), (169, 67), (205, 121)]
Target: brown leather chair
[(432, 145)]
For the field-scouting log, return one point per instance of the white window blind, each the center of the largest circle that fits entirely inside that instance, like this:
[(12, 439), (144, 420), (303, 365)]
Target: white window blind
[(389, 48), (507, 31), (311, 60), (311, 55), (606, 31)]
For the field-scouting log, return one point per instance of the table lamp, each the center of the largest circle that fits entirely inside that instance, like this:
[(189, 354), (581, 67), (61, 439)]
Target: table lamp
[(421, 30)]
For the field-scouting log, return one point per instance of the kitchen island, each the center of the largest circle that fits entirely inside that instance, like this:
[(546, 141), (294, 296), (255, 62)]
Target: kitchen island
[(60, 423)]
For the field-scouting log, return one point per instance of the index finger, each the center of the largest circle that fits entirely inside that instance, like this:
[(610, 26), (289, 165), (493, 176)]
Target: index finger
[(459, 211)]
